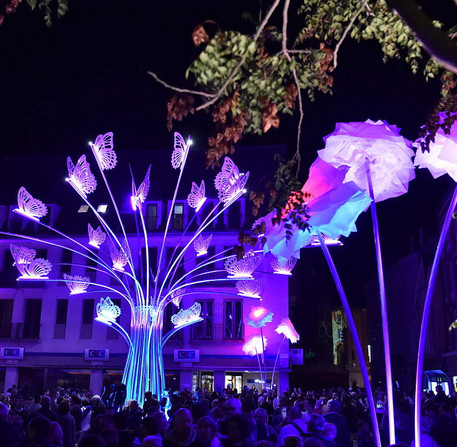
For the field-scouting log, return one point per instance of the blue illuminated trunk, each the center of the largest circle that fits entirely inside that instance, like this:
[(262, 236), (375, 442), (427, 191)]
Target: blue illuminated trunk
[(144, 365)]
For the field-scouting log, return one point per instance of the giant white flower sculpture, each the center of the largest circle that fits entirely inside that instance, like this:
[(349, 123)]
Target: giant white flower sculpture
[(332, 207), (442, 155), (378, 143), (287, 329), (255, 345), (259, 316)]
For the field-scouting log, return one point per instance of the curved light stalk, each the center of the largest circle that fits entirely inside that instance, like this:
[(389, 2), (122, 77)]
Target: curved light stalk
[(355, 338), (113, 202), (168, 221), (118, 328), (384, 317), (426, 316), (276, 362), (146, 249), (169, 334)]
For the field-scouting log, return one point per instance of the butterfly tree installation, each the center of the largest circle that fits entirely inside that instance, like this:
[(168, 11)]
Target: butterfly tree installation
[(147, 294)]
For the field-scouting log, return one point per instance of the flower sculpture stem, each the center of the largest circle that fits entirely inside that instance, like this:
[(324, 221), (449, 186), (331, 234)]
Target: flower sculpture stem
[(384, 319), (426, 315), (276, 362), (355, 338)]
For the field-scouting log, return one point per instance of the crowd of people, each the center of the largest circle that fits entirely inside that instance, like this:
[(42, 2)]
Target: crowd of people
[(249, 418)]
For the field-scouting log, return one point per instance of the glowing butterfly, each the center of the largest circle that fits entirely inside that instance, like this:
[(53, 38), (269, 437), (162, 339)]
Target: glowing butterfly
[(139, 195), (187, 316), (285, 269), (30, 207), (181, 149), (201, 244), (80, 176), (242, 268), (119, 257), (107, 311), (22, 255), (197, 198), (177, 295), (287, 329), (96, 237), (254, 345), (249, 289), (35, 269), (230, 182), (76, 284), (104, 152)]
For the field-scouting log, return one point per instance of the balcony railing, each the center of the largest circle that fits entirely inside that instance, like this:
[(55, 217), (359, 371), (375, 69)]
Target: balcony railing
[(219, 334)]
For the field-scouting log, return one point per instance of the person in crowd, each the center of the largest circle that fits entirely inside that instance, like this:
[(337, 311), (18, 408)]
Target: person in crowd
[(183, 433), (334, 416), (67, 424), (238, 432), (265, 432), (46, 410), (207, 435), (35, 406), (56, 435), (96, 409), (294, 426), (11, 433), (231, 407)]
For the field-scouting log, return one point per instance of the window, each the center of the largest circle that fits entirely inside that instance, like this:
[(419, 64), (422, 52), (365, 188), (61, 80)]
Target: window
[(234, 215), (151, 217), (61, 318), (9, 275), (204, 329), (32, 319), (233, 319), (178, 216), (67, 256), (6, 315), (112, 334), (87, 319)]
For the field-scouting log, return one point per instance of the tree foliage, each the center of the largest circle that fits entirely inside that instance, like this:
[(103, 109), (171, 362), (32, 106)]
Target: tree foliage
[(247, 82), (49, 8)]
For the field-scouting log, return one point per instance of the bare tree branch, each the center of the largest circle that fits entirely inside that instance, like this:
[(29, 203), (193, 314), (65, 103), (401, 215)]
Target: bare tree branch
[(285, 21), (436, 42), (345, 33), (178, 89), (241, 61)]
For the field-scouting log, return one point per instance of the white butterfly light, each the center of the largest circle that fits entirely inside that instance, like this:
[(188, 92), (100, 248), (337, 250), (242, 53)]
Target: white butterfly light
[(80, 176), (250, 289), (197, 197), (28, 206), (139, 195), (96, 237), (104, 152), (22, 255), (230, 183), (285, 269), (177, 295), (187, 316), (119, 257), (201, 244), (242, 268), (35, 269), (107, 311), (76, 284), (181, 149)]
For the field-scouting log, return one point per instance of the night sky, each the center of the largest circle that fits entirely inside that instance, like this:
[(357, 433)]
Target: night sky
[(87, 75)]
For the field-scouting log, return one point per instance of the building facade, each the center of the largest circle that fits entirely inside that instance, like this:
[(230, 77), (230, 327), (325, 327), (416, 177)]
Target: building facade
[(49, 337)]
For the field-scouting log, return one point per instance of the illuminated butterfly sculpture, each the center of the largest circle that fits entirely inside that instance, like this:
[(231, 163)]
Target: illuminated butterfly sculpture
[(147, 293)]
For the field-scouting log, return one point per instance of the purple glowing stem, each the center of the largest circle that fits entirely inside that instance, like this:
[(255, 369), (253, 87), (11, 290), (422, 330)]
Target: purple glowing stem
[(426, 315), (355, 338), (384, 319), (276, 361)]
